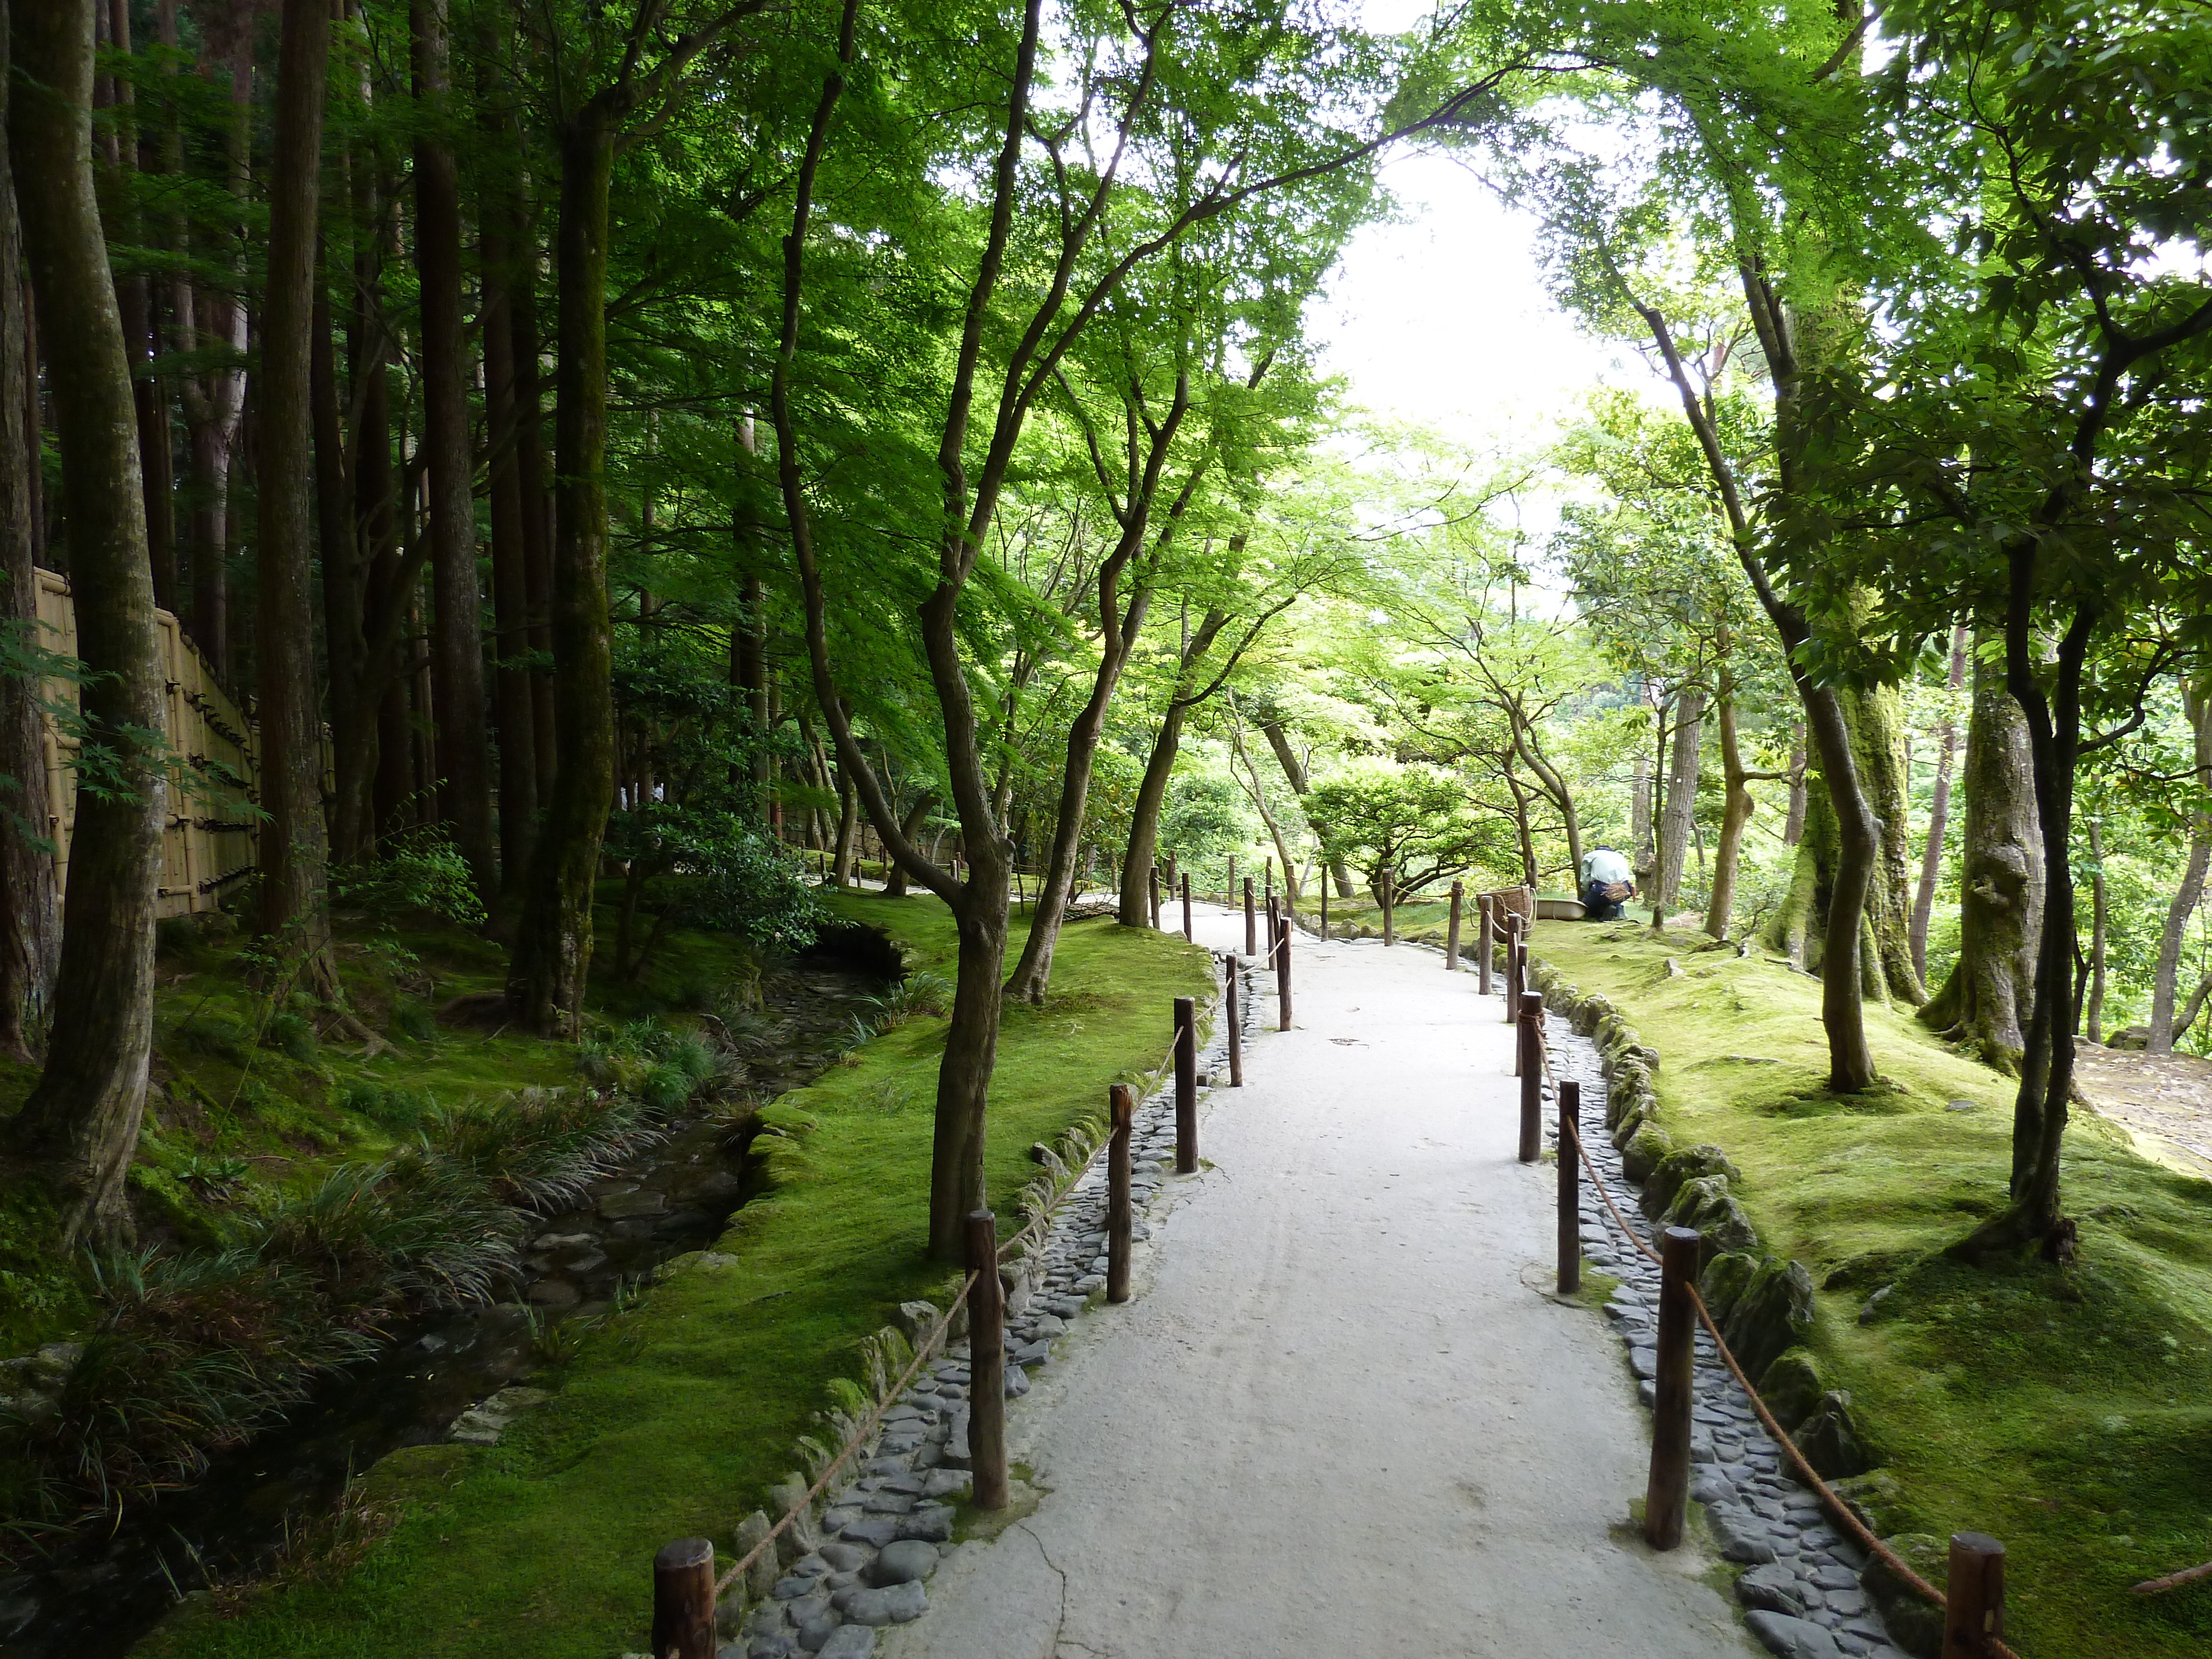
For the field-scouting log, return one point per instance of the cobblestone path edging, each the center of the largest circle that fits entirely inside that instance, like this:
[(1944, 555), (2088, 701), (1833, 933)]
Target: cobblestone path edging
[(863, 1564), (1802, 1591)]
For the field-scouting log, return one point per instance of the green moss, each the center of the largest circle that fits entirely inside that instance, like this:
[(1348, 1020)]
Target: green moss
[(2067, 1414), (676, 1418)]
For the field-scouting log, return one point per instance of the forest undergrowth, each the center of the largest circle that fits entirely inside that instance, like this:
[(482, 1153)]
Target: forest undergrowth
[(2063, 1411)]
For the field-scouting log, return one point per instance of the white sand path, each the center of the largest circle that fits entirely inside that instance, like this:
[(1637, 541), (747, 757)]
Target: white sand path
[(1341, 1415)]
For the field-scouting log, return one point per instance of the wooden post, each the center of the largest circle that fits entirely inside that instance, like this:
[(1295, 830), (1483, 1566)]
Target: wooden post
[(1389, 909), (1271, 881), (1514, 947), (1324, 903), (1186, 905), (1123, 1100), (1232, 1010), (987, 1363), (1451, 931), (1228, 891), (1530, 1047), (1156, 896), (1251, 925), (1571, 1209), (1974, 1601), (1283, 973), (684, 1600), (1186, 1065), (1485, 942), (1666, 1495)]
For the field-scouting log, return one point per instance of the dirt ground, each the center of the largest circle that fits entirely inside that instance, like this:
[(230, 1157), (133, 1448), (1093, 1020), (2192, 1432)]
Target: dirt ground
[(2166, 1100)]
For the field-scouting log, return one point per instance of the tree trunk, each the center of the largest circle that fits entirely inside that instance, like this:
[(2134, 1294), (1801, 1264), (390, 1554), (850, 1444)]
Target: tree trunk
[(1680, 810), (1136, 904), (2099, 934), (2191, 890), (293, 892), (1876, 717), (1736, 808), (909, 826), (1939, 809), (1294, 773), (463, 760), (553, 945), (1793, 824), (30, 909), (518, 731), (1640, 814), (537, 513), (82, 1120), (1984, 1003), (848, 821)]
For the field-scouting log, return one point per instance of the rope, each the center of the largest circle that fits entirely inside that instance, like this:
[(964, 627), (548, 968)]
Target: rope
[(854, 1442), (923, 1349), (1841, 1512)]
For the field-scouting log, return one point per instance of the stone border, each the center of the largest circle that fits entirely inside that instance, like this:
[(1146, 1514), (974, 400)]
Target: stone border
[(835, 1578), (1808, 1592)]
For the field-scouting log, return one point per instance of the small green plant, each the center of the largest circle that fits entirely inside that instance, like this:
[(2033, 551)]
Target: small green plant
[(420, 870), (391, 1105), (213, 1177), (292, 1034), (415, 1021)]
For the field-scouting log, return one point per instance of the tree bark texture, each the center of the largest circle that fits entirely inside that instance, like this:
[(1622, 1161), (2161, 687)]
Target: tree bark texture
[(1939, 810), (2099, 935), (292, 850), (1679, 813), (1877, 717), (2186, 896), (30, 909), (553, 944), (463, 759), (1986, 1002), (1736, 808), (1294, 774), (82, 1120), (512, 695)]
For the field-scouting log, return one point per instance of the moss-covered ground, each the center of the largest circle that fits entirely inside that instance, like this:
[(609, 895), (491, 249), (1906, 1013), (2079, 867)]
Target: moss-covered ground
[(2068, 1413), (677, 1415)]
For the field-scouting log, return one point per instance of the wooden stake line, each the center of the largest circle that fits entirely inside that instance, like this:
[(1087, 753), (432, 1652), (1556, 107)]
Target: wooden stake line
[(1973, 1609), (1451, 932), (1122, 1106), (1571, 1209), (1283, 974), (1186, 1085), (1486, 943), (1529, 1052), (1667, 1492), (1155, 878), (1251, 922), (1186, 907), (684, 1600), (1232, 1010), (986, 1364)]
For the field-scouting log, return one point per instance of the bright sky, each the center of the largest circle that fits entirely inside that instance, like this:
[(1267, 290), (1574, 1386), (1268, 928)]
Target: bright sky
[(1441, 317)]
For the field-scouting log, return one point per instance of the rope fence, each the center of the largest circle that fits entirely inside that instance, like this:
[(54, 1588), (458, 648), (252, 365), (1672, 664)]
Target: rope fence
[(1982, 1623)]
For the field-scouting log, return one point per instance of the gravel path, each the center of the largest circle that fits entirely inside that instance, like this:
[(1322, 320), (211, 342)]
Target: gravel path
[(1341, 1416)]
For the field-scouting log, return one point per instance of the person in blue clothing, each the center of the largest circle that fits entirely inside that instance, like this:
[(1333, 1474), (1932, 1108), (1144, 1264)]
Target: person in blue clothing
[(1608, 884)]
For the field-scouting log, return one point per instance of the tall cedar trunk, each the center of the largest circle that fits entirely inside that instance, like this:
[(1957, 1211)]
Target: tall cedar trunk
[(749, 673), (537, 503), (1736, 808), (1939, 810), (1680, 814), (1294, 774), (2164, 989), (510, 580), (553, 943), (849, 823), (216, 415), (30, 909), (2099, 935), (463, 760), (1877, 717), (82, 1120), (134, 301), (293, 849), (1986, 1002)]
